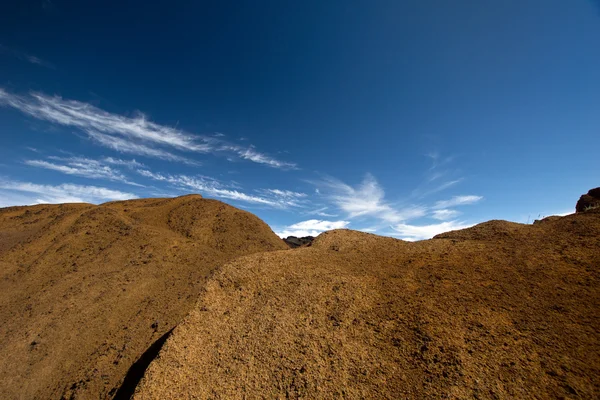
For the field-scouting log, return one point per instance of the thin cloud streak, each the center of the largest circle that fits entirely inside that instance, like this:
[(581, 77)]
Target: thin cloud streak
[(124, 146), (252, 155), (25, 57), (135, 135), (125, 163), (457, 201), (212, 187), (444, 214), (321, 212), (64, 193), (83, 167)]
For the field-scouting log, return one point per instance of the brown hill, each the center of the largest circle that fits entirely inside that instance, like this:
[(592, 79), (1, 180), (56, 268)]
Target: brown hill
[(497, 311), (85, 289)]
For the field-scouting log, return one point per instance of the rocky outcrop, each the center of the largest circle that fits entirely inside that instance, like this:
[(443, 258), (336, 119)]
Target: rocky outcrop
[(588, 201), (294, 241)]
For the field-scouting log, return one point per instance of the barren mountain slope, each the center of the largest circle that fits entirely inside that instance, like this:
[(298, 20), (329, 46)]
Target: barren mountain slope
[(85, 289), (498, 311)]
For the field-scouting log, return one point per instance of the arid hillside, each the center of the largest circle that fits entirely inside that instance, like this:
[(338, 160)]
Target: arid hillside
[(498, 311), (85, 290)]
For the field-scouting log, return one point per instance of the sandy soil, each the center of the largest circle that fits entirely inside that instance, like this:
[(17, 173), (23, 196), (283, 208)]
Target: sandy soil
[(85, 290), (497, 311)]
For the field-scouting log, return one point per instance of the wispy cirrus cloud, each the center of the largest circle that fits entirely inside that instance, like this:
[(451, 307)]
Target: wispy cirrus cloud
[(125, 146), (212, 187), (444, 214), (312, 227), (366, 200), (457, 201), (251, 154), (438, 177), (134, 135), (290, 198), (285, 193), (125, 163), (33, 193), (93, 120), (25, 57), (321, 212), (81, 166)]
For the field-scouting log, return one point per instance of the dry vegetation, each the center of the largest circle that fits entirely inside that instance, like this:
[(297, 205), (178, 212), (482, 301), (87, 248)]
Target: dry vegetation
[(498, 311)]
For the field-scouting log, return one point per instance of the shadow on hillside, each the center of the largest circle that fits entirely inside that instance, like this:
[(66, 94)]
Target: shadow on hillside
[(138, 369)]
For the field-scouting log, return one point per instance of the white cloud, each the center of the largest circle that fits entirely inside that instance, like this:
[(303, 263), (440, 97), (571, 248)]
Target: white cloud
[(445, 214), (126, 146), (90, 118), (288, 197), (152, 175), (285, 193), (84, 167), (367, 200), (421, 232), (321, 212), (457, 201), (369, 229), (252, 155), (65, 193), (135, 135), (212, 187), (125, 163), (562, 213), (312, 227)]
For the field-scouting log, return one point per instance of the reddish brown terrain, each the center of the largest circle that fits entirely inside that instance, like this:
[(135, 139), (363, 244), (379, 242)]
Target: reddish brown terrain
[(498, 311), (85, 289)]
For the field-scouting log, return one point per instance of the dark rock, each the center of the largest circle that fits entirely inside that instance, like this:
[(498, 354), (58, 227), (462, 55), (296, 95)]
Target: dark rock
[(595, 193), (588, 201), (294, 241)]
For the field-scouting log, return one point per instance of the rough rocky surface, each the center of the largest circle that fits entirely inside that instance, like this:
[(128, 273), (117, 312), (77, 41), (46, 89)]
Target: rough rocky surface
[(498, 311), (85, 290), (90, 294), (588, 201), (295, 242)]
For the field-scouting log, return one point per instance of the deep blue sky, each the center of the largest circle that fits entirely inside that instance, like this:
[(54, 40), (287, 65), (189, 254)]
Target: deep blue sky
[(404, 118)]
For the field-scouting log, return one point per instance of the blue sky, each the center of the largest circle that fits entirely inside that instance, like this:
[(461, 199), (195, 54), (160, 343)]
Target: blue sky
[(403, 118)]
